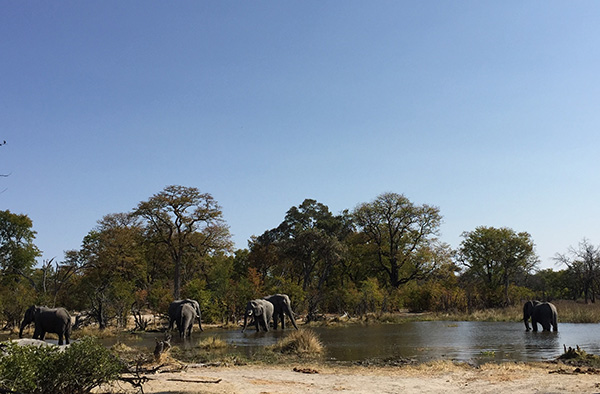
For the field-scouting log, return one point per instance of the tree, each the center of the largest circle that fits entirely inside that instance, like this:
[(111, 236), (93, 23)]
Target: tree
[(17, 250), (112, 266), (402, 236), (306, 248), (17, 258), (497, 257), (188, 223), (584, 265)]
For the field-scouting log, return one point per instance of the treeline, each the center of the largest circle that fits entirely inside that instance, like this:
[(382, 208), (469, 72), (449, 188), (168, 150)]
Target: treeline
[(382, 256)]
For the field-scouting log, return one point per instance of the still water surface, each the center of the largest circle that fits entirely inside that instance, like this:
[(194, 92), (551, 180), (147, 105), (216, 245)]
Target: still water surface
[(473, 342)]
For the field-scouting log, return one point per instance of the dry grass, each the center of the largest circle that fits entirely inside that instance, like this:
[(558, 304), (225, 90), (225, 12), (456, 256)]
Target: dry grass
[(578, 312), (301, 342), (568, 312), (92, 331), (212, 343)]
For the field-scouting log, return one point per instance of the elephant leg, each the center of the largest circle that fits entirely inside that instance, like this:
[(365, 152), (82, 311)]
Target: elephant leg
[(266, 324), (43, 335), (275, 322), (67, 338), (534, 325), (60, 339)]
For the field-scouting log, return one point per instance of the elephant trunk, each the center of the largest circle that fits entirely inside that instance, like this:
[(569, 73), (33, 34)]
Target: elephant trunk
[(248, 313), (23, 325)]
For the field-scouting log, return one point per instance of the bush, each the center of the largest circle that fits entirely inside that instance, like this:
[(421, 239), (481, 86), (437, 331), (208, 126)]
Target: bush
[(75, 369)]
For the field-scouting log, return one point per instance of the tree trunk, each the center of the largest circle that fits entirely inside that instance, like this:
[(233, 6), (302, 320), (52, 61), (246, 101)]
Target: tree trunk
[(177, 278)]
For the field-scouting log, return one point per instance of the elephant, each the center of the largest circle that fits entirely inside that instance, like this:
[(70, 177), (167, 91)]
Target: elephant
[(262, 311), (174, 309), (56, 320), (186, 314), (281, 306), (540, 312)]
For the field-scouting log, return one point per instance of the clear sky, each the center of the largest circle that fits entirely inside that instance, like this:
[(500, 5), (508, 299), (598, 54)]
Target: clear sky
[(488, 110)]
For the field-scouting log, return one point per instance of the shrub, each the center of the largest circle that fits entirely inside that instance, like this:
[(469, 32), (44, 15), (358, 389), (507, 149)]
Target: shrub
[(76, 369)]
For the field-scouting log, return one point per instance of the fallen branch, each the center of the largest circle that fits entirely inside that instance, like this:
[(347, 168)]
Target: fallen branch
[(194, 380)]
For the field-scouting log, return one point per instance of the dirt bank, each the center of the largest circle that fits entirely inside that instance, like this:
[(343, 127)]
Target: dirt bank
[(442, 377)]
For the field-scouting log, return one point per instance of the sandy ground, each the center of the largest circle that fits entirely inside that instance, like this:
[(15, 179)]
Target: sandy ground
[(433, 378)]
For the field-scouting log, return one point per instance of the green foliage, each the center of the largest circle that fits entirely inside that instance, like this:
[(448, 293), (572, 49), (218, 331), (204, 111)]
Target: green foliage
[(382, 258), (14, 300), (495, 258), (160, 296), (404, 236), (371, 296), (76, 369)]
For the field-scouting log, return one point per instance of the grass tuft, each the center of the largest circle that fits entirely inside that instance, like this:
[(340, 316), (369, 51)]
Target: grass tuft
[(212, 343), (301, 342)]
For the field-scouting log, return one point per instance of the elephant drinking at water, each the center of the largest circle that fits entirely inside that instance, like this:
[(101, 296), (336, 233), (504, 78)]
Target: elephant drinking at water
[(262, 312), (57, 321), (281, 307), (540, 312)]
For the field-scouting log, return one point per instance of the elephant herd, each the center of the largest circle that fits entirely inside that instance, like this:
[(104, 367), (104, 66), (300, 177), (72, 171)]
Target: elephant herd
[(182, 313), (275, 307)]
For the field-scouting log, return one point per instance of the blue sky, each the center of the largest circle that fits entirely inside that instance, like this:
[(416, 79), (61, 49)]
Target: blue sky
[(488, 110)]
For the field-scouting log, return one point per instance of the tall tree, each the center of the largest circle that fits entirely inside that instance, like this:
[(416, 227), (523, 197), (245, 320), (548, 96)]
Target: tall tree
[(17, 250), (403, 236), (497, 257), (17, 258), (583, 263), (112, 264), (306, 248), (187, 223)]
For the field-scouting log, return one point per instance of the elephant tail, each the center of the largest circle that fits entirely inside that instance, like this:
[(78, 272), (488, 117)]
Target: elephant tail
[(69, 327)]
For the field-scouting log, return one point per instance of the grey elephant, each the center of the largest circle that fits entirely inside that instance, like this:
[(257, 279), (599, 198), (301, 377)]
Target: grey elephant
[(262, 312), (281, 306), (174, 309), (543, 313), (57, 321), (186, 314)]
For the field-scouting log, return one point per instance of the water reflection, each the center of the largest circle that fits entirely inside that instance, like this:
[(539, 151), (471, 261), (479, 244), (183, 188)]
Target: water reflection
[(423, 341), (474, 342)]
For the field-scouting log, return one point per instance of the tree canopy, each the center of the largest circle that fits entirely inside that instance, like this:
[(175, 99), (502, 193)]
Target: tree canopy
[(497, 256), (383, 256), (403, 236), (188, 223)]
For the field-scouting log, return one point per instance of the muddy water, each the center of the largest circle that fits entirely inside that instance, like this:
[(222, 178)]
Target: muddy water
[(474, 342)]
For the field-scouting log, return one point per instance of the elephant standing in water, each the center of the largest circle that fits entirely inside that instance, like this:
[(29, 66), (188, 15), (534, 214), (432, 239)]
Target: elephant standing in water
[(186, 314), (57, 321), (262, 312), (281, 307), (540, 312), (174, 311)]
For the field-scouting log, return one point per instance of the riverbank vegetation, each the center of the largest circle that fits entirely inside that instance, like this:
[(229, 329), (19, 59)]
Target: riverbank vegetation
[(376, 261), (76, 369)]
